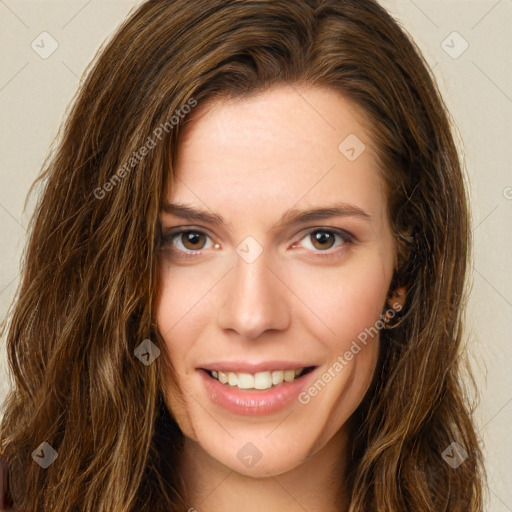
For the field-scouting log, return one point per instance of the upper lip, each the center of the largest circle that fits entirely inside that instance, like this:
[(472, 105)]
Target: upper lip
[(249, 367)]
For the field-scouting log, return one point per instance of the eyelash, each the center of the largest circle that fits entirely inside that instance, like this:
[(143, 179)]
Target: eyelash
[(346, 237)]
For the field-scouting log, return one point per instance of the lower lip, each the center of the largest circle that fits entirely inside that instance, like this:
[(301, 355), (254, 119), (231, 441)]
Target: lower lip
[(254, 402)]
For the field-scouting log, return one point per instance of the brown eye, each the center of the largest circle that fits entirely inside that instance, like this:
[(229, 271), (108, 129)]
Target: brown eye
[(192, 240), (322, 239), (186, 241), (321, 242)]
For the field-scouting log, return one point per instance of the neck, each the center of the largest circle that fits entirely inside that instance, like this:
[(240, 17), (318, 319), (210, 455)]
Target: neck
[(316, 484)]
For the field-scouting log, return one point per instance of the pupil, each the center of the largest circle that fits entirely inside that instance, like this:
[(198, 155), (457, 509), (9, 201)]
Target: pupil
[(192, 237), (322, 237)]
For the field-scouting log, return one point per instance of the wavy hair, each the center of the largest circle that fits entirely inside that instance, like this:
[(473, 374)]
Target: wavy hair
[(90, 269)]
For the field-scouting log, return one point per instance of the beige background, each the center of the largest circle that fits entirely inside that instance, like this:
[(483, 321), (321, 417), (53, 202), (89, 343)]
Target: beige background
[(477, 86)]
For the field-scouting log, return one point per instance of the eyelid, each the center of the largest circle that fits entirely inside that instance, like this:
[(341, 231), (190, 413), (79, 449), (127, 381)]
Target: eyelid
[(347, 237), (343, 233), (178, 230)]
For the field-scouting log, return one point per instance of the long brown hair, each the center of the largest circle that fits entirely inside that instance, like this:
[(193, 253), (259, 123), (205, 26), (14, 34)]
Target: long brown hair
[(90, 278)]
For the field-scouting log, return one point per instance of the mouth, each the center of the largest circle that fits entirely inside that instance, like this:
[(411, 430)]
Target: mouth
[(259, 381), (255, 389)]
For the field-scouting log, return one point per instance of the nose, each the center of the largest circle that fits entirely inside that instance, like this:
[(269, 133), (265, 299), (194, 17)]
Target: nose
[(254, 299)]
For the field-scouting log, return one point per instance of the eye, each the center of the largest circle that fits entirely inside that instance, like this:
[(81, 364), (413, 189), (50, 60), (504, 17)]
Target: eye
[(190, 242), (320, 240), (187, 240)]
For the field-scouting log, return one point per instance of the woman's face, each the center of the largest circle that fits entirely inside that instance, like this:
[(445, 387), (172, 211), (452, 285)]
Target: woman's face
[(256, 289)]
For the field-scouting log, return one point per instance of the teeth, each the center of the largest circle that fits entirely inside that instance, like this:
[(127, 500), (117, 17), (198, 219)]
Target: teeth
[(277, 377), (245, 381), (289, 375), (260, 380)]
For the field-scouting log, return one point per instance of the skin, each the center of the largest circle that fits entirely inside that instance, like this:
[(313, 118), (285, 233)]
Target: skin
[(250, 161)]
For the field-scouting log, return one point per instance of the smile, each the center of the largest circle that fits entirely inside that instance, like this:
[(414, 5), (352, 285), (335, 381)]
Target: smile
[(260, 380), (261, 391)]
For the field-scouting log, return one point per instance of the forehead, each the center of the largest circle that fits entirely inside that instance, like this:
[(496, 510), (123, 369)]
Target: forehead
[(275, 149)]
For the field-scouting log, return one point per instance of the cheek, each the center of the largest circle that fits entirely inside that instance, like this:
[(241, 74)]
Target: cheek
[(180, 317), (176, 317), (344, 300), (336, 303), (181, 307)]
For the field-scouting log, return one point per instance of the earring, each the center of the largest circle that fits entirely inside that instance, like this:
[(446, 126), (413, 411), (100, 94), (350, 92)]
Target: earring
[(392, 312)]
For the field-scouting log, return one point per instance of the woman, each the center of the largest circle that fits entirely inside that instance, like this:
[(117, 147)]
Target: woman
[(246, 274)]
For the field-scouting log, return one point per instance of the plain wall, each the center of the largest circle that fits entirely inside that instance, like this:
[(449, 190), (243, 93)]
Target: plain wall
[(477, 88)]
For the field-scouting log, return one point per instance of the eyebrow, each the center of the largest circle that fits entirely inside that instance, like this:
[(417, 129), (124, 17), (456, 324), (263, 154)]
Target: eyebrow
[(291, 217)]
